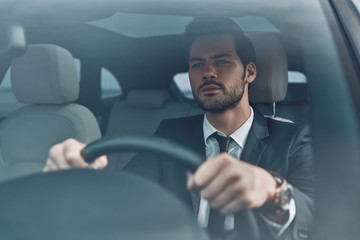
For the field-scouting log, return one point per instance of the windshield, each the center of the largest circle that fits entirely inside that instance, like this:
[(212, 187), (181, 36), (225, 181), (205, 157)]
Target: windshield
[(137, 65)]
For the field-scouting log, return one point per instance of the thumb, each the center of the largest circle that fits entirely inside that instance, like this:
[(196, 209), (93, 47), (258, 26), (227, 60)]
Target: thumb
[(100, 163)]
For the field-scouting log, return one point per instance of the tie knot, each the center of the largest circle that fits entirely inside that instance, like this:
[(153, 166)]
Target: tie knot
[(223, 142)]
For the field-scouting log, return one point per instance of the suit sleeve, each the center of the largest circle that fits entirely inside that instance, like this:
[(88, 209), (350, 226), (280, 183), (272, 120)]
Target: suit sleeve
[(301, 177)]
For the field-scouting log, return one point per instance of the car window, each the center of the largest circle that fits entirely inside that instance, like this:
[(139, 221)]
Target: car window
[(5, 85), (110, 87), (78, 67), (356, 4), (141, 45), (182, 82)]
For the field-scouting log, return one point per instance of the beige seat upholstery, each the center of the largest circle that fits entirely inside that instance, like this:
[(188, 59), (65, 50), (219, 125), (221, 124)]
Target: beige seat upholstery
[(143, 110), (46, 79)]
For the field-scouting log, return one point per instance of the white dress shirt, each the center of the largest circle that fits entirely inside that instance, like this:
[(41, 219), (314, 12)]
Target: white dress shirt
[(235, 149)]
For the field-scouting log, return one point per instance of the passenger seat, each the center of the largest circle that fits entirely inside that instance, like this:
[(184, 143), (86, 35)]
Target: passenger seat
[(141, 113), (46, 79)]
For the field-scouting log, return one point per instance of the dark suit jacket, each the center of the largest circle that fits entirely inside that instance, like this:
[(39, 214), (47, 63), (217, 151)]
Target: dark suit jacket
[(273, 145)]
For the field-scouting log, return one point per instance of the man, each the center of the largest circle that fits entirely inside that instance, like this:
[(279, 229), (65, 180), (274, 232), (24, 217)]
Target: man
[(221, 67)]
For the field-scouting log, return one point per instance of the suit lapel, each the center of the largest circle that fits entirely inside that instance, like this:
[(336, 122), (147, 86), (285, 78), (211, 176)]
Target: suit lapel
[(255, 146), (194, 136), (196, 142)]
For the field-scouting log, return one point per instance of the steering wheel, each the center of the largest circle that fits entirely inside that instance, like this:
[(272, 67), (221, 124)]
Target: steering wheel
[(146, 144), (171, 151)]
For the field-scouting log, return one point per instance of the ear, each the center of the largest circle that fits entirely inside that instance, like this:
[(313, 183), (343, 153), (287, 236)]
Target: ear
[(250, 72)]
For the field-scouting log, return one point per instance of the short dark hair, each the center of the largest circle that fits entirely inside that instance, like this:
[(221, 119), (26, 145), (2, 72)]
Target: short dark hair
[(202, 25)]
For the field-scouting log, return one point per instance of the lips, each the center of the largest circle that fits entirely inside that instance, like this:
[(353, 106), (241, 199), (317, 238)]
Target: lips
[(210, 89)]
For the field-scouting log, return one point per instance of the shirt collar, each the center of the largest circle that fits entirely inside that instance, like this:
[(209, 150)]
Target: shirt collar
[(239, 136)]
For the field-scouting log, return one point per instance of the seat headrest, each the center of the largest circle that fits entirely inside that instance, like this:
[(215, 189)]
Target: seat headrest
[(46, 74), (271, 81), (147, 98)]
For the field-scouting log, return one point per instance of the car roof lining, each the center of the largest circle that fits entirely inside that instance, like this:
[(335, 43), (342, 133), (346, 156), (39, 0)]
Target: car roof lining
[(293, 24), (285, 15)]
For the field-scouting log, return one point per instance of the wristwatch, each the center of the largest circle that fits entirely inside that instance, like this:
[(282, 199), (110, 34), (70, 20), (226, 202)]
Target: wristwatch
[(283, 194)]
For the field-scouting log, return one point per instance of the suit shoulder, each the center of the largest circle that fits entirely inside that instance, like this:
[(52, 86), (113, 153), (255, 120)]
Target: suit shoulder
[(284, 125)]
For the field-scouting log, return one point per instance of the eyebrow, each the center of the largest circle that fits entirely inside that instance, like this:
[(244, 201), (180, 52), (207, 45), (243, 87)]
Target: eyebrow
[(221, 55), (196, 59)]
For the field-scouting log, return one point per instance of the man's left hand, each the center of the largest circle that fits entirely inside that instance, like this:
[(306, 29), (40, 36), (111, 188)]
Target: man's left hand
[(231, 185)]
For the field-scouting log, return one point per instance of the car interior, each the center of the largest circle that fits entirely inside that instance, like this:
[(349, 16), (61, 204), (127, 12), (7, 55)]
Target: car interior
[(45, 79), (98, 70)]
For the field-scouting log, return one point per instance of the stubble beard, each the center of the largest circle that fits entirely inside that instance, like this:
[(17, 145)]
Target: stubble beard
[(218, 103)]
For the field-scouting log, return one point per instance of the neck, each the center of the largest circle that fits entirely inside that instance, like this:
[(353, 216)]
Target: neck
[(230, 120)]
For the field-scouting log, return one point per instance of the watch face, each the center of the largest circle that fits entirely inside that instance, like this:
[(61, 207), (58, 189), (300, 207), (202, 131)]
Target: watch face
[(284, 198)]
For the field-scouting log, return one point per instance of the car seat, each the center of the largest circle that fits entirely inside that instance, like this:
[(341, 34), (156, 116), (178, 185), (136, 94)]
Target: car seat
[(127, 116), (270, 92), (46, 79)]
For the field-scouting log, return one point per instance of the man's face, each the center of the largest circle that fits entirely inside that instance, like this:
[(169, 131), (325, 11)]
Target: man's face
[(216, 73)]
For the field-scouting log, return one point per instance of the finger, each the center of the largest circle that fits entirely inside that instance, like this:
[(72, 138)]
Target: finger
[(226, 177), (49, 166), (99, 163), (210, 168), (228, 195), (56, 158), (234, 206), (72, 153)]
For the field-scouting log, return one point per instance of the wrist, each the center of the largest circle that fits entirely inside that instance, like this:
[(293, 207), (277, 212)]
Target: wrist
[(271, 190), (277, 207), (279, 199)]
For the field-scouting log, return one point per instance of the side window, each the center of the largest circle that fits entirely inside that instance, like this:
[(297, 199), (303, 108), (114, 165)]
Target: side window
[(356, 4), (296, 77), (5, 86), (78, 67), (182, 82), (110, 86)]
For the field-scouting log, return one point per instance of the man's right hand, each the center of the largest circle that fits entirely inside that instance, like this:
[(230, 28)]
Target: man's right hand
[(67, 155)]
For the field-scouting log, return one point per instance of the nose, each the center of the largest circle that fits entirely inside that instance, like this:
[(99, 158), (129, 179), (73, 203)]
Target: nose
[(209, 72)]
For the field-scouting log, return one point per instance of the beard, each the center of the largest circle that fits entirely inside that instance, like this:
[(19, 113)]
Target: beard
[(218, 103)]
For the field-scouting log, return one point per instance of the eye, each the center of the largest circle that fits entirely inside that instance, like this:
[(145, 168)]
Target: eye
[(221, 62), (197, 65)]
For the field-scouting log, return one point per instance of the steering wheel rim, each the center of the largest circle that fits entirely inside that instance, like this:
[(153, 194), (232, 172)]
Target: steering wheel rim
[(145, 144), (164, 147)]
